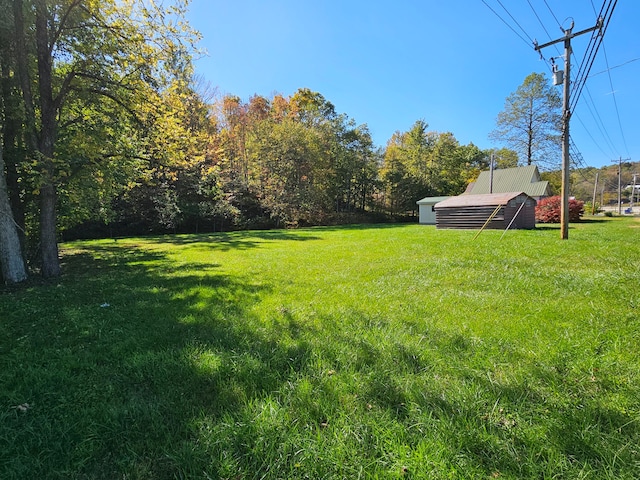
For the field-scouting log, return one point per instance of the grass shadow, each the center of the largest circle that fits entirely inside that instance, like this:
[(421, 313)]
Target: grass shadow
[(114, 364), (135, 365), (241, 240), (588, 220)]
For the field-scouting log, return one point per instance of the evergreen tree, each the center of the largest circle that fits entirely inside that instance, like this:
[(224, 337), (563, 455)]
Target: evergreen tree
[(530, 122)]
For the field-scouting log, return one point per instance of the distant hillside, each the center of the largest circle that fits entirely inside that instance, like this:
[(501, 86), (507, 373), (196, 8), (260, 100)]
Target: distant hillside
[(583, 182)]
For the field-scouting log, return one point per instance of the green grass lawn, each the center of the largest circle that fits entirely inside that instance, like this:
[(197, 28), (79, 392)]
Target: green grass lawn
[(354, 352)]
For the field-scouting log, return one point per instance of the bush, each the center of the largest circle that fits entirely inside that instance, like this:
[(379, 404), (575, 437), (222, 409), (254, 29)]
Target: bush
[(548, 210), (589, 207)]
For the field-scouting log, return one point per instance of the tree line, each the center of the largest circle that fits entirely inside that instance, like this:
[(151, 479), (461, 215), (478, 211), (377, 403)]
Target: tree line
[(284, 161), (105, 130)]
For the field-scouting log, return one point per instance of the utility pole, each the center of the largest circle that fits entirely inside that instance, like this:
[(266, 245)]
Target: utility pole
[(619, 161), (566, 117), (595, 190), (491, 174), (619, 186), (633, 190)]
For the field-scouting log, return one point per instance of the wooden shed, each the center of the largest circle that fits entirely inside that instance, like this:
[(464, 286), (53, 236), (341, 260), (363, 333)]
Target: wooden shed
[(506, 210)]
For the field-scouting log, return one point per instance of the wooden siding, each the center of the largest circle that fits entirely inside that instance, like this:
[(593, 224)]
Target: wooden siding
[(469, 216)]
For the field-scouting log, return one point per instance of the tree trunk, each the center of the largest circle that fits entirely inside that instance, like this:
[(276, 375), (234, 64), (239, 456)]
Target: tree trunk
[(13, 153), (41, 143), (48, 232), (23, 75), (46, 142), (11, 260)]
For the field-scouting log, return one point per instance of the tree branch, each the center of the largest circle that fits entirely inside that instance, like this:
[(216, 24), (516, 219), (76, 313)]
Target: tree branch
[(61, 25)]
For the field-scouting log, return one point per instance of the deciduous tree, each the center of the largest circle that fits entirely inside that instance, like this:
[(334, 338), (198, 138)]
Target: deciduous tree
[(72, 51), (421, 163)]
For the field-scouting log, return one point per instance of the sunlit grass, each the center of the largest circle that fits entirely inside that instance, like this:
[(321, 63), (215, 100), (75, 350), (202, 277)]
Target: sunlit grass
[(382, 351)]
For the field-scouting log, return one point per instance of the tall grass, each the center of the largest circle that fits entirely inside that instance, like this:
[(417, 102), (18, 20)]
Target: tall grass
[(354, 352)]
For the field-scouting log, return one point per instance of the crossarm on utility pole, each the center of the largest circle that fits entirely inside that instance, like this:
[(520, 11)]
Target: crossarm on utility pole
[(568, 36)]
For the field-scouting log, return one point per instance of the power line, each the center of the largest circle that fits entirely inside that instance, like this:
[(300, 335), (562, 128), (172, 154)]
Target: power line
[(579, 163), (579, 81), (589, 56), (507, 24), (553, 14), (598, 119), (539, 21), (613, 68), (583, 75), (585, 67), (594, 45), (593, 110), (615, 102), (576, 156), (520, 26), (591, 136)]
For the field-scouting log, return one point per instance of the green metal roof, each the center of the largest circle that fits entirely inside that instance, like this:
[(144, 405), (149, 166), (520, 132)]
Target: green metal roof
[(431, 200), (519, 179)]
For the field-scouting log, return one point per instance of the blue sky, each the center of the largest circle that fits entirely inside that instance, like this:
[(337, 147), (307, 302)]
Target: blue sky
[(451, 63)]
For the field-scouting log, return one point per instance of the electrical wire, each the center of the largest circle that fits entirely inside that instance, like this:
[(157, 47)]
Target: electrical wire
[(594, 111), (591, 136), (553, 14), (599, 123), (579, 166), (507, 24), (589, 55), (575, 155), (538, 17), (615, 102), (595, 114), (613, 68), (581, 75), (594, 44), (587, 63), (580, 78), (512, 18), (602, 129)]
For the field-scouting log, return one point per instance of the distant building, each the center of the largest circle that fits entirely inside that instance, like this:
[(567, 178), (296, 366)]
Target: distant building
[(427, 211), (490, 188), (505, 180)]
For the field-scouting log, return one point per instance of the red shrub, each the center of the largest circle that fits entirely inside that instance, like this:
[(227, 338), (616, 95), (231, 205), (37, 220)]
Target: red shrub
[(548, 210)]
